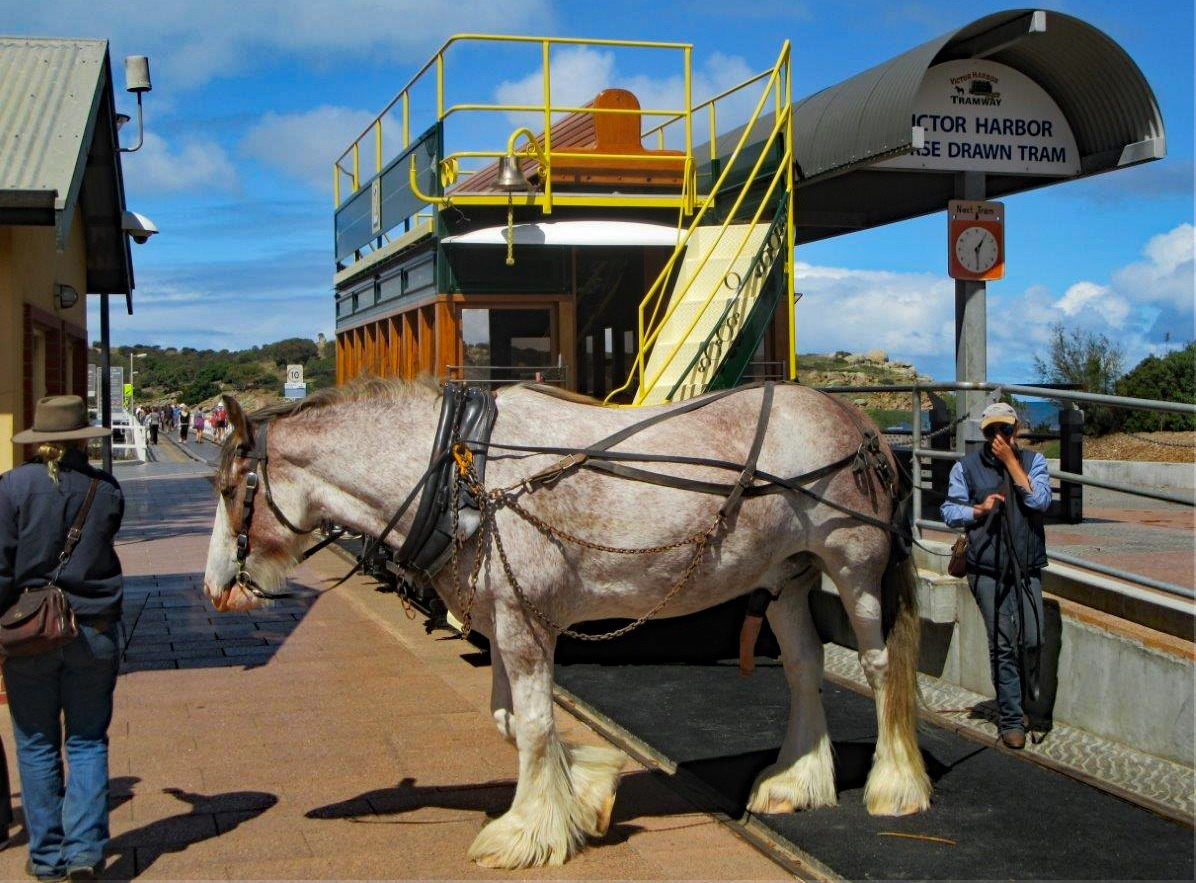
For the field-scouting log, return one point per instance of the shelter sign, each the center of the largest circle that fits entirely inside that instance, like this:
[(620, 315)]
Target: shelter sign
[(982, 116)]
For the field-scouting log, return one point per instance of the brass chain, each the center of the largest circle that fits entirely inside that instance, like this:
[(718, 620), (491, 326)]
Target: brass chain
[(489, 502)]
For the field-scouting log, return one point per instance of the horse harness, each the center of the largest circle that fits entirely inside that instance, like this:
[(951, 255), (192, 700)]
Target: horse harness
[(256, 477), (454, 503)]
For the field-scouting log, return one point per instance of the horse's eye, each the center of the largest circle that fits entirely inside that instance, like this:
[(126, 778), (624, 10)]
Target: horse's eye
[(228, 492)]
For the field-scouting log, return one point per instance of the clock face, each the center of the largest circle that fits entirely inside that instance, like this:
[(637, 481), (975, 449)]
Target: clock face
[(976, 249)]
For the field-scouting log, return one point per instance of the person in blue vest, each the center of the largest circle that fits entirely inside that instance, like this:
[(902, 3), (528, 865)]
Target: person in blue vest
[(998, 494)]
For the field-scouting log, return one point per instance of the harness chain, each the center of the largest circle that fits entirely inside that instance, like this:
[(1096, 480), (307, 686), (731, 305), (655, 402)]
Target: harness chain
[(490, 501)]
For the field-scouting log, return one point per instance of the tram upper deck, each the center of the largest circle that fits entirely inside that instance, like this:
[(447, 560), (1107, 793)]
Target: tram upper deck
[(588, 244)]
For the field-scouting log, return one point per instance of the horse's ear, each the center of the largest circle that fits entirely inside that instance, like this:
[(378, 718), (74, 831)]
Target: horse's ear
[(236, 419)]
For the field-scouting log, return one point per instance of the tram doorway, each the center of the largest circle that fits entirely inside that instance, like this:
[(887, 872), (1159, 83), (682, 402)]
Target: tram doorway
[(609, 285)]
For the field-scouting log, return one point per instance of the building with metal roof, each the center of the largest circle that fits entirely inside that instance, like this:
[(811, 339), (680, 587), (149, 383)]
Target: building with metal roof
[(61, 208)]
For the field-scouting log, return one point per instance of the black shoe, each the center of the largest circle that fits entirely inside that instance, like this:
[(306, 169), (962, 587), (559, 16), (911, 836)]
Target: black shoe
[(83, 872), (45, 877)]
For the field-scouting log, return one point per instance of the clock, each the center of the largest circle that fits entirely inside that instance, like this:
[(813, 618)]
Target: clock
[(975, 240), (976, 249)]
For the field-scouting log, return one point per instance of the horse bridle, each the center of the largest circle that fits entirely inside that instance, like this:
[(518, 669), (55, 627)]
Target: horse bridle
[(258, 477)]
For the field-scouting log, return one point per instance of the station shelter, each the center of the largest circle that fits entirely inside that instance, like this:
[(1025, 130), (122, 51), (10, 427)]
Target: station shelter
[(61, 206), (644, 254)]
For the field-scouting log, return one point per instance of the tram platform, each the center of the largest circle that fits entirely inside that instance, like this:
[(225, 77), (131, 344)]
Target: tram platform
[(327, 737)]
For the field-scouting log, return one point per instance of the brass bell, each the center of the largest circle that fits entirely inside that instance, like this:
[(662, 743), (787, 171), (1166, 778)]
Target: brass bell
[(510, 176)]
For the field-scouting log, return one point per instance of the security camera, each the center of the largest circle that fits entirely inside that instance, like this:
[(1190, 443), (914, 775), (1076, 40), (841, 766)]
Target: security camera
[(138, 226)]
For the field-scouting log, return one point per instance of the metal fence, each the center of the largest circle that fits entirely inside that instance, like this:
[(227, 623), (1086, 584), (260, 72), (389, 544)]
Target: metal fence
[(995, 391)]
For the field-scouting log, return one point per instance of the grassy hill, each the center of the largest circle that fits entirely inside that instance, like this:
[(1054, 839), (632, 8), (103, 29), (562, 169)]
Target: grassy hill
[(199, 377)]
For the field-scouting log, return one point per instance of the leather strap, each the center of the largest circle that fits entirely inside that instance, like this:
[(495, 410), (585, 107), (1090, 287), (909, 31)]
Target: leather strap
[(76, 531)]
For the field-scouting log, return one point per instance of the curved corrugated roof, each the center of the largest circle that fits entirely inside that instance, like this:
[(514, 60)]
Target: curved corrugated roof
[(1097, 86)]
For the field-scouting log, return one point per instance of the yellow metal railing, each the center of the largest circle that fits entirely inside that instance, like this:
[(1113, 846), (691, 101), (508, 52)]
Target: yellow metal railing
[(650, 321), (347, 167)]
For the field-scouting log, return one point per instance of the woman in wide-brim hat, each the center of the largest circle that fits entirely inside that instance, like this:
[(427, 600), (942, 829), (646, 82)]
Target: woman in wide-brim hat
[(73, 684)]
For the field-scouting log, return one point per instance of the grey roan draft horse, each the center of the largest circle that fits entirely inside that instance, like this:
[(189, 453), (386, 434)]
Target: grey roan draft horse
[(352, 454)]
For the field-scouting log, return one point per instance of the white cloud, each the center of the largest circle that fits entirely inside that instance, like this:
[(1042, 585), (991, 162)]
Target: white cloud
[(909, 315), (193, 166), (1083, 296), (193, 41), (305, 145)]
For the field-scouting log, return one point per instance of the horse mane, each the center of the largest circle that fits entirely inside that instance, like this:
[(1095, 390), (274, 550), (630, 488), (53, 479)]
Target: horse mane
[(384, 389)]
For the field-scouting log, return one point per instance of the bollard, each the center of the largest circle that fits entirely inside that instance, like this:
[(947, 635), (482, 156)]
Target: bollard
[(1071, 459)]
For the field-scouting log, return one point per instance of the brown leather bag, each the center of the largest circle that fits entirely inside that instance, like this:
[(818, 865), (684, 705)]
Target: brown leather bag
[(958, 565), (42, 619)]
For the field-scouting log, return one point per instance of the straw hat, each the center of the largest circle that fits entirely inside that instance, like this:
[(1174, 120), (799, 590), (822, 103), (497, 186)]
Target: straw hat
[(59, 418)]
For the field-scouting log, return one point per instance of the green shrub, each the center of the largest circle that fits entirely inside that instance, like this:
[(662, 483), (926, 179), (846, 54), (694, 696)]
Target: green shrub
[(1170, 378)]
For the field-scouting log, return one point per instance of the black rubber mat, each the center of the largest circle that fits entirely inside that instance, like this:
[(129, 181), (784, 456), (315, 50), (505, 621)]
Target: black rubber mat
[(1007, 818)]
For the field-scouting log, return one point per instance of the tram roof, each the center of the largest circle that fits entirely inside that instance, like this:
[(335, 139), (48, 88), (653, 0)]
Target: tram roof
[(841, 132)]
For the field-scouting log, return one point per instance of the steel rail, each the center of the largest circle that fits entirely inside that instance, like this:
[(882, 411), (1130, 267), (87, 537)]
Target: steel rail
[(1116, 572), (1039, 392), (1076, 478)]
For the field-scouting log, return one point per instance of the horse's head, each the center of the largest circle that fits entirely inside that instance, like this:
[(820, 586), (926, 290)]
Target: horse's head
[(251, 550)]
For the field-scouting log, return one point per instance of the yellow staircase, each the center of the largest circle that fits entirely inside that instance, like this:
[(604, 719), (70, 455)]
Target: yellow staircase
[(713, 273), (709, 290)]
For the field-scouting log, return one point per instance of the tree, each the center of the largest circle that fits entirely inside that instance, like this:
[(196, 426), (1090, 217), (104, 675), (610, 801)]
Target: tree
[(1170, 378), (1088, 359)]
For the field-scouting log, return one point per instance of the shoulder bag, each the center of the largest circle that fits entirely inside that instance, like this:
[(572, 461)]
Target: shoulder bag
[(42, 619), (958, 565)]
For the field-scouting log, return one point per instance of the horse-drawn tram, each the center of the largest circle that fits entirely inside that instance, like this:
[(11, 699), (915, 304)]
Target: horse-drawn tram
[(630, 258)]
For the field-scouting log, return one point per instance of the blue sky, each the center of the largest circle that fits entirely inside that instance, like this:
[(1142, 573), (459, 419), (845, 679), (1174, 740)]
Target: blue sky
[(253, 100)]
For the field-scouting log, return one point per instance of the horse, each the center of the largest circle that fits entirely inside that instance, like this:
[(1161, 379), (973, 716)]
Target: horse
[(350, 454)]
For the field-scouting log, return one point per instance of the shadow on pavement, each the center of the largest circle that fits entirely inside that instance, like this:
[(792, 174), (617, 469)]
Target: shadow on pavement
[(169, 623), (210, 815)]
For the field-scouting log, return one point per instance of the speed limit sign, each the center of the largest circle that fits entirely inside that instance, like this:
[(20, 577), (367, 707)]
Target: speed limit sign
[(294, 374)]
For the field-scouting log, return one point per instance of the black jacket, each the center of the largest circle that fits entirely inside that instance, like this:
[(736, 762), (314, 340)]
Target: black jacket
[(35, 515)]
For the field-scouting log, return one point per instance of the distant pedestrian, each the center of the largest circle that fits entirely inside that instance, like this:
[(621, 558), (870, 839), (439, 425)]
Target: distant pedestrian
[(67, 691), (153, 421), (198, 424), (184, 422)]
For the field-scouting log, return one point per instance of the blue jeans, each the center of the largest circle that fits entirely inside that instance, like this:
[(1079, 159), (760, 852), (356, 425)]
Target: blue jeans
[(67, 827), (998, 606)]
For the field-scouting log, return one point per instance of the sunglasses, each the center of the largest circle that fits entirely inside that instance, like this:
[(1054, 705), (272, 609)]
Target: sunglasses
[(1005, 429)]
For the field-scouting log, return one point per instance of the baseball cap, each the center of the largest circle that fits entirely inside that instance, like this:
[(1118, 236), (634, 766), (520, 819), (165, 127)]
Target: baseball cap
[(997, 412)]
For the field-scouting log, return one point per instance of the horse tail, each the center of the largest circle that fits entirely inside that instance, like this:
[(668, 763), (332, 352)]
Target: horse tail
[(902, 694), (902, 626)]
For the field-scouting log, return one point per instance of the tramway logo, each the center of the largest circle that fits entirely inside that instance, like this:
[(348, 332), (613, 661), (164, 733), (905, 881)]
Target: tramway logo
[(975, 87)]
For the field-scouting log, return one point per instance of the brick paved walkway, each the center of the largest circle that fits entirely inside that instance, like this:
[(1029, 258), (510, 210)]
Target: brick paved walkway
[(327, 737)]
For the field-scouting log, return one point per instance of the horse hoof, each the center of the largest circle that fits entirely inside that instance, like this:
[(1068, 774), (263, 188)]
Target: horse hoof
[(603, 821)]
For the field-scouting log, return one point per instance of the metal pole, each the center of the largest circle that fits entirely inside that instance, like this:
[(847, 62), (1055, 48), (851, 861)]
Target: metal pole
[(105, 382), (971, 330), (915, 465)]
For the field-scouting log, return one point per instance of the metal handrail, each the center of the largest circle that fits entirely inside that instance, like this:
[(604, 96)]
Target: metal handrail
[(1063, 558), (918, 453), (437, 62)]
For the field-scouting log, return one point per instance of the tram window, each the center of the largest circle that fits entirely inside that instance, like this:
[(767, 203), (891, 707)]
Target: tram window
[(420, 276), (391, 286), (497, 343)]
